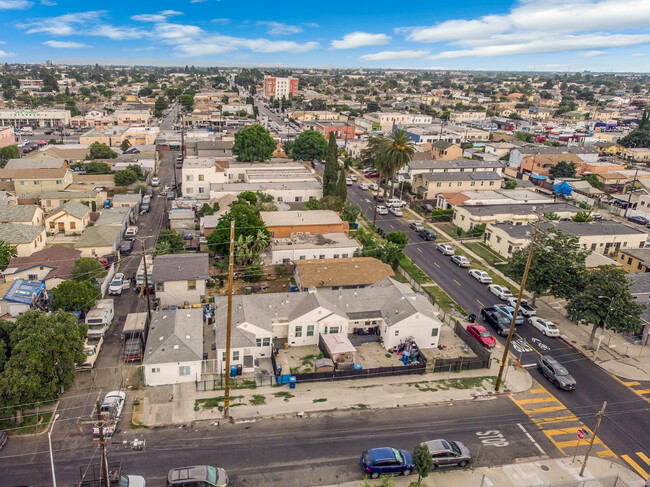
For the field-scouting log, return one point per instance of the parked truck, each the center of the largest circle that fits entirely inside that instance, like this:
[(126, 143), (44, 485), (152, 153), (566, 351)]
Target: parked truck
[(497, 320), (92, 346), (509, 311), (148, 260), (99, 318), (136, 327)]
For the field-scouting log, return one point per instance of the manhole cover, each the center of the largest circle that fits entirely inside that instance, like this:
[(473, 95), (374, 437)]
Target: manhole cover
[(545, 468)]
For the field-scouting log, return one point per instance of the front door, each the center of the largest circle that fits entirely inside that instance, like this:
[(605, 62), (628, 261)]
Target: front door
[(61, 227)]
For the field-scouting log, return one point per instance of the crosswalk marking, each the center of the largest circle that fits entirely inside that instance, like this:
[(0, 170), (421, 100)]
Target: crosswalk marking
[(631, 383), (643, 457), (538, 391), (635, 466), (535, 400), (546, 409)]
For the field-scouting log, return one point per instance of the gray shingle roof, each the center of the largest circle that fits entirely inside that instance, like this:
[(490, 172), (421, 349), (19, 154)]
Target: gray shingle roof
[(180, 267), (17, 213), (522, 209), (17, 233), (73, 208), (99, 236), (462, 176), (578, 229), (175, 336)]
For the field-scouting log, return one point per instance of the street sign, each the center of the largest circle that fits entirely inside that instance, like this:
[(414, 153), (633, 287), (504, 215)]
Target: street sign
[(581, 434)]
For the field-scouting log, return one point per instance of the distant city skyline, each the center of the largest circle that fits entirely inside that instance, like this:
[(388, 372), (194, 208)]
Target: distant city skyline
[(530, 35)]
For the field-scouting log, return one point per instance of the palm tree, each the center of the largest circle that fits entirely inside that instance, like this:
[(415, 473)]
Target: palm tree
[(397, 152)]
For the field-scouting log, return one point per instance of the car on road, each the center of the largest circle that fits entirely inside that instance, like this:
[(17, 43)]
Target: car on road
[(155, 181), (197, 475), (483, 336), (352, 177), (427, 234), (524, 308), (501, 292), (372, 175), (373, 187), (126, 247), (556, 373), (131, 232), (382, 210), (117, 285), (547, 327), (348, 182), (363, 186), (460, 261), (445, 249), (509, 311), (638, 219), (481, 276), (396, 211), (447, 453), (48, 132), (170, 195), (497, 320), (386, 461), (369, 169), (112, 405), (417, 226)]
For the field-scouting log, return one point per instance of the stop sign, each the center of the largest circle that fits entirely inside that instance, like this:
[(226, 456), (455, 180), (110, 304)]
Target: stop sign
[(581, 434)]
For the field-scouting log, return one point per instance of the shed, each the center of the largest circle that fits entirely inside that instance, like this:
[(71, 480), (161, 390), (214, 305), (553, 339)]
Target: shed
[(338, 347)]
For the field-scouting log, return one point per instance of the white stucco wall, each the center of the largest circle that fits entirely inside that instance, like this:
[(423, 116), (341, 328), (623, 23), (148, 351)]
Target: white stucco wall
[(176, 293), (169, 373)]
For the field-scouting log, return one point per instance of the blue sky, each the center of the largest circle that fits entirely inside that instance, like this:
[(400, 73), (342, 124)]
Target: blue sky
[(553, 35)]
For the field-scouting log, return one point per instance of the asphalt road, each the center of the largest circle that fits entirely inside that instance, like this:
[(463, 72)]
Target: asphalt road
[(625, 427), (295, 452)]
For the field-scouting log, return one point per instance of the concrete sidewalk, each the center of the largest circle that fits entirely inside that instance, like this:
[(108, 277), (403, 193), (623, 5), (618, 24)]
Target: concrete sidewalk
[(182, 404), (539, 473)]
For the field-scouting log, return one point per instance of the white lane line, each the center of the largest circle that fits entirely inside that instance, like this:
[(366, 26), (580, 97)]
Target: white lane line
[(531, 439)]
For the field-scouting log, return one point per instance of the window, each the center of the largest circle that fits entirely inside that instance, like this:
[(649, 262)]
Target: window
[(345, 256), (160, 286), (298, 331), (51, 224), (434, 332), (396, 333), (629, 261), (498, 239), (491, 183), (322, 256), (310, 330), (201, 190), (184, 370), (302, 257), (473, 183), (223, 356), (266, 341), (336, 256), (58, 181), (32, 277), (155, 370), (334, 329), (201, 177), (593, 246), (280, 198), (639, 266), (510, 249), (258, 342), (191, 285), (235, 355), (438, 185), (36, 183), (73, 225), (189, 177)]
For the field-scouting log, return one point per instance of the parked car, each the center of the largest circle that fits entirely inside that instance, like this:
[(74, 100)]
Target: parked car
[(131, 232), (363, 186), (396, 211), (426, 208), (445, 249), (382, 210), (373, 187), (117, 285), (481, 276), (386, 461), (126, 247), (638, 219), (417, 226), (460, 261), (113, 404), (104, 261), (447, 453), (556, 373), (501, 292), (509, 311), (547, 327), (497, 320), (427, 234), (48, 132), (197, 475), (352, 177), (524, 308), (348, 182), (483, 336), (155, 182)]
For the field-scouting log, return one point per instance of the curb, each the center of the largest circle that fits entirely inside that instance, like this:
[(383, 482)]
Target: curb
[(575, 347), (41, 433)]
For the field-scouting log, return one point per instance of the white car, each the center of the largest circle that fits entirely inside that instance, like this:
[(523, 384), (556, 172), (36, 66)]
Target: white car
[(373, 187), (363, 186), (352, 177), (155, 181), (382, 210), (396, 211), (502, 292), (460, 260), (445, 249), (113, 404), (481, 276), (547, 327), (348, 182), (116, 285)]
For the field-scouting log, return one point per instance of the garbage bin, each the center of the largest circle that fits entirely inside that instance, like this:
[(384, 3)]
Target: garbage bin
[(233, 371), (292, 382), (240, 369)]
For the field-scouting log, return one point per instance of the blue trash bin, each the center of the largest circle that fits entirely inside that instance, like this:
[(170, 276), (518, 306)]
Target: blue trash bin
[(292, 382), (233, 371)]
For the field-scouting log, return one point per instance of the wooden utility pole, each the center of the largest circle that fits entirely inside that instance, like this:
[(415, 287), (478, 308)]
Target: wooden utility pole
[(629, 198), (374, 213), (504, 359), (102, 443), (601, 413), (146, 277), (231, 263)]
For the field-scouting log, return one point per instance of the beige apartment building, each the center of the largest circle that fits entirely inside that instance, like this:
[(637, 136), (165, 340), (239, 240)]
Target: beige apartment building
[(430, 184), (466, 217), (30, 183), (467, 116)]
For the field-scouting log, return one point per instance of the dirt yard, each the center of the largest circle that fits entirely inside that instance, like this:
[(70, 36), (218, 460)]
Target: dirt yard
[(372, 355), (280, 285), (298, 360), (453, 346)]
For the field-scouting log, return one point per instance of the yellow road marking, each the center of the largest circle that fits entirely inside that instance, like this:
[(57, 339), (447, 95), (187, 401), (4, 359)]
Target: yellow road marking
[(568, 444), (606, 453), (563, 431), (435, 263), (538, 391), (457, 282), (419, 250), (481, 304), (391, 226), (546, 410), (536, 400), (560, 419), (638, 393), (643, 457), (642, 391), (631, 383), (635, 466)]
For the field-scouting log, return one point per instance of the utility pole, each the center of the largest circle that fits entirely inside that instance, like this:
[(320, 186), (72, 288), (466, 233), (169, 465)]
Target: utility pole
[(504, 359), (601, 413), (102, 444), (374, 213), (231, 263), (146, 276), (629, 198)]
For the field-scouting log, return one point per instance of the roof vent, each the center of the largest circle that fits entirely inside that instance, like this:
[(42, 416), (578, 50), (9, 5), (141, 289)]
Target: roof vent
[(187, 337), (176, 347), (160, 339)]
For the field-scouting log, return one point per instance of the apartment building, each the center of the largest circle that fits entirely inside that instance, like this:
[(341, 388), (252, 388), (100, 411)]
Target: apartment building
[(280, 87), (459, 116), (199, 173), (285, 224), (429, 185), (466, 217)]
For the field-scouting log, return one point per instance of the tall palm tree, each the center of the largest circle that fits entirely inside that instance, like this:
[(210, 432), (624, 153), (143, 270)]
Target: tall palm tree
[(397, 152)]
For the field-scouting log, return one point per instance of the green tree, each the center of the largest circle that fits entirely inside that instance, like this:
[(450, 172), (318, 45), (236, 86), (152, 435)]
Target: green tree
[(350, 212), (510, 184), (96, 167), (332, 202), (87, 269), (41, 355), (422, 461), (137, 169), (173, 239), (342, 187), (582, 217), (287, 147), (7, 252), (398, 151), (247, 222), (524, 136), (398, 238), (161, 104), (206, 209), (312, 204), (162, 248), (187, 100), (551, 215), (126, 143), (249, 196), (309, 145), (604, 300), (563, 169), (8, 152), (125, 177), (593, 180), (75, 296), (98, 150), (253, 144), (331, 167), (557, 261)]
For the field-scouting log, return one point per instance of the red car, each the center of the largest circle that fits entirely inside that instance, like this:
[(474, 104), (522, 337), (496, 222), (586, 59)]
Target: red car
[(104, 261), (484, 337), (372, 175)]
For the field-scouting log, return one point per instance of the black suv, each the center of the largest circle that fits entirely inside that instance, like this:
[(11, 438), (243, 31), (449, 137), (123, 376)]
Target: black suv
[(556, 373)]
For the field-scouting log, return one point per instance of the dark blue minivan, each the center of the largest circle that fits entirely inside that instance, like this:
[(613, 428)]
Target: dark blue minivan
[(386, 461)]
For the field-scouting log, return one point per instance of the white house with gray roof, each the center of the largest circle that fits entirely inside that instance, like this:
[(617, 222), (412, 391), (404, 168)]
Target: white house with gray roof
[(180, 278), (25, 214), (174, 349), (69, 218), (300, 319), (26, 239)]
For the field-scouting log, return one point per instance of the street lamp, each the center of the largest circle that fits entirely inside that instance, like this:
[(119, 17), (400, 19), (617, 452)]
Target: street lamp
[(49, 439), (602, 331)]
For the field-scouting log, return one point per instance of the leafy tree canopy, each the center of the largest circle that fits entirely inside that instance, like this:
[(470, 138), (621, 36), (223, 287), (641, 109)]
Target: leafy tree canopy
[(96, 167), (253, 144), (88, 269), (8, 152), (101, 151), (312, 205), (309, 145), (75, 296), (247, 222), (510, 184), (6, 253), (563, 169), (125, 177), (173, 239)]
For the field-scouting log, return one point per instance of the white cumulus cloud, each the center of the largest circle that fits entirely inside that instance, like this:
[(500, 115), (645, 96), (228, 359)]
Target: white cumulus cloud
[(387, 55), (15, 4), (64, 44), (593, 53), (279, 29), (359, 39), (159, 17)]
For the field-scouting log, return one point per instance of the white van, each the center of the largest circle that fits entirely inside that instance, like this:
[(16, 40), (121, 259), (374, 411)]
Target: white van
[(396, 202), (99, 318)]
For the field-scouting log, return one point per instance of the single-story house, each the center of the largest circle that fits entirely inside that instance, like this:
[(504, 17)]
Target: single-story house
[(174, 350), (97, 241), (181, 219), (180, 278), (26, 239), (115, 217), (22, 296), (127, 201), (53, 199), (25, 214), (51, 266), (304, 247), (69, 218), (349, 273), (466, 217)]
